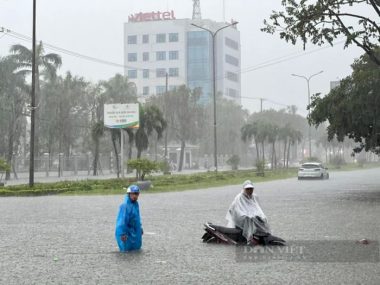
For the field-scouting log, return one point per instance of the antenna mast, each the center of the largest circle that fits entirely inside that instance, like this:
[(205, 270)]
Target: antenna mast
[(224, 11), (197, 10)]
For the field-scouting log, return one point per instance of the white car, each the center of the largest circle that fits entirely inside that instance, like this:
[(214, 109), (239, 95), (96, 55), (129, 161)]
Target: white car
[(313, 170)]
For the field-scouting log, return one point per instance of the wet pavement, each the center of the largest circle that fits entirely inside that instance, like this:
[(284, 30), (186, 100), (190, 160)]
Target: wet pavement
[(70, 239)]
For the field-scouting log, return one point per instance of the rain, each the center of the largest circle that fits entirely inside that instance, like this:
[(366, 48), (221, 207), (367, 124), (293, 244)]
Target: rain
[(188, 100)]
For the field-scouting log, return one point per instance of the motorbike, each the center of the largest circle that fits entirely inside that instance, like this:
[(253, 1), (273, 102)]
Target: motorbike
[(233, 236)]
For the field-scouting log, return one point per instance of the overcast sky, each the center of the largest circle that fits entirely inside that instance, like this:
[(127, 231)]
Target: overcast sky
[(95, 28)]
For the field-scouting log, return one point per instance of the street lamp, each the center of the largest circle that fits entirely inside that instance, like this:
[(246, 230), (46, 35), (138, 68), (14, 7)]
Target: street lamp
[(308, 97), (33, 103), (213, 34)]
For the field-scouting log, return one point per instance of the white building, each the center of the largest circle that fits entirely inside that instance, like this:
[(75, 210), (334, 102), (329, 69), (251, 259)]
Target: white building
[(156, 43)]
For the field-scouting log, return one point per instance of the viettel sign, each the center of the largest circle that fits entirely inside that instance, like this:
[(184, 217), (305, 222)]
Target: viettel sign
[(152, 16)]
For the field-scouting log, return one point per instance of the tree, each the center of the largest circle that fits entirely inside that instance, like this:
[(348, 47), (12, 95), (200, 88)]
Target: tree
[(230, 117), (97, 131), (97, 123), (184, 120), (273, 132), (118, 90), (13, 92), (151, 119), (49, 62), (71, 111), (295, 136), (323, 21), (4, 167), (249, 131), (353, 108)]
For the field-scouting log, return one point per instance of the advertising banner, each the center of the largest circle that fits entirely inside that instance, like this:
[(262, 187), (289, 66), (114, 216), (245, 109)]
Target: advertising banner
[(121, 116)]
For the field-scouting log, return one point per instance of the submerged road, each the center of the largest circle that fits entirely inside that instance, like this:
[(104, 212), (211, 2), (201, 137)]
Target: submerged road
[(70, 239)]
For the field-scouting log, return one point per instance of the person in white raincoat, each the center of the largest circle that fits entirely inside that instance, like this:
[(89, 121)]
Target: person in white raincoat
[(245, 213)]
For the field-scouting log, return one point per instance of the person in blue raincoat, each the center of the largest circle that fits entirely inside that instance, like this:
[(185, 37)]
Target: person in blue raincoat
[(128, 232)]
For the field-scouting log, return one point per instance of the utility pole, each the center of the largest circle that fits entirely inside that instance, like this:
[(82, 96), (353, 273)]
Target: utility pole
[(308, 98), (33, 103), (165, 113), (122, 152), (261, 104), (213, 35)]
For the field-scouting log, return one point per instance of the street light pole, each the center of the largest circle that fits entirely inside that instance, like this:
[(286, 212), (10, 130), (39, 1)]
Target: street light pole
[(213, 35), (33, 103), (308, 98)]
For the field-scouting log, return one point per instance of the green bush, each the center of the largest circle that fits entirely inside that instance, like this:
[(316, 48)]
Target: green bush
[(143, 167), (234, 161)]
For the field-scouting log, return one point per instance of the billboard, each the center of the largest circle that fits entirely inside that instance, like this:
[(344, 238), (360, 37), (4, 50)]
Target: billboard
[(121, 116), (152, 16)]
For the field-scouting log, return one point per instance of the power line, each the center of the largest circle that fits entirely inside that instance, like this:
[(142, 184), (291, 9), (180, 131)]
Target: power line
[(41, 119), (261, 65), (25, 38), (265, 99)]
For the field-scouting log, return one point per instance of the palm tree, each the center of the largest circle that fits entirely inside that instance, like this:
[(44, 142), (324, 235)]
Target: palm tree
[(272, 132), (97, 131), (295, 136), (284, 134), (248, 131), (151, 119), (262, 134), (49, 62)]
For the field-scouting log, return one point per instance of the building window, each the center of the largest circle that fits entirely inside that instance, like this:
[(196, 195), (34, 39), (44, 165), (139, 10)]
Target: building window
[(232, 76), (146, 73), (173, 37), (173, 55), (132, 40), (232, 93), (199, 63), (145, 39), (172, 87), (232, 60), (132, 57), (173, 72), (132, 73), (146, 90), (160, 72), (161, 38), (232, 44), (160, 89), (160, 55), (145, 56)]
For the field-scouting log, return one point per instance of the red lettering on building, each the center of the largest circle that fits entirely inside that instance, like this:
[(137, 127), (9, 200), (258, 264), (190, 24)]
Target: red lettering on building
[(152, 16)]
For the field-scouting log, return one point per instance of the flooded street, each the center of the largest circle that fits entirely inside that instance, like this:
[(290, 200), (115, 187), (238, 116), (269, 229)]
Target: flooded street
[(70, 239)]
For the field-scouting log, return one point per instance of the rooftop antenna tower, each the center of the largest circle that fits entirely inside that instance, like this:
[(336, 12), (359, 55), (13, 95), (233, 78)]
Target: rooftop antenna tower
[(224, 11), (197, 10)]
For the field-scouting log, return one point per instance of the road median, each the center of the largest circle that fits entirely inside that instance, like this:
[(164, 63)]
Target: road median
[(160, 183)]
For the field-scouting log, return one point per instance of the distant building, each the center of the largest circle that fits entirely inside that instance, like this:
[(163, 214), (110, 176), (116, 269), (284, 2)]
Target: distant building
[(157, 43)]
